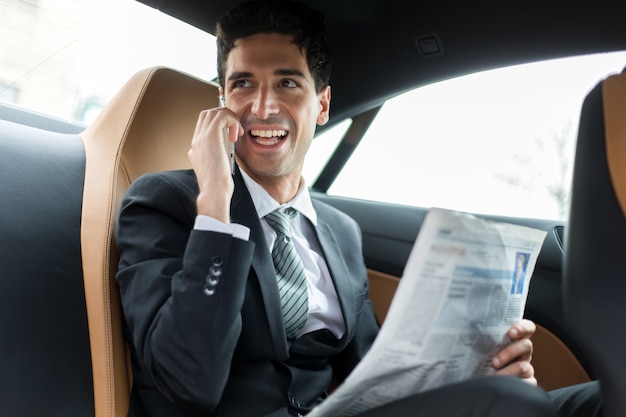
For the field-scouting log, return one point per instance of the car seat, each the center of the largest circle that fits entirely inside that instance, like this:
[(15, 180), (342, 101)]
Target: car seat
[(146, 127), (45, 364), (595, 239)]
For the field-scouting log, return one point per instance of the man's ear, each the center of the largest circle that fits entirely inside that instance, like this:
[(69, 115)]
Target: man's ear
[(324, 106)]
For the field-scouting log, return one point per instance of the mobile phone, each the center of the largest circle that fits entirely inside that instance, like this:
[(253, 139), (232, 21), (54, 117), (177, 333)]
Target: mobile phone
[(231, 144)]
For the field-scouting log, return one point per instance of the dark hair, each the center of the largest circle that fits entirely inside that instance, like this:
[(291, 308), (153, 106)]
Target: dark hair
[(286, 17)]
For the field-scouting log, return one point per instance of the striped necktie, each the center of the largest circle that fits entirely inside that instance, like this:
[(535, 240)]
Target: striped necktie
[(289, 272)]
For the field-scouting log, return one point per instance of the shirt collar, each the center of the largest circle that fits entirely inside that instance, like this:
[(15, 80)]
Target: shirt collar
[(265, 203)]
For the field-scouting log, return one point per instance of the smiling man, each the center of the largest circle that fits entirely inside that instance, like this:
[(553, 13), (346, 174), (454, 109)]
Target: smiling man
[(242, 296)]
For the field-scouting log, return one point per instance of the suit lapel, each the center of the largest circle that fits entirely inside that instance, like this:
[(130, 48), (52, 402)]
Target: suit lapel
[(244, 212), (339, 271)]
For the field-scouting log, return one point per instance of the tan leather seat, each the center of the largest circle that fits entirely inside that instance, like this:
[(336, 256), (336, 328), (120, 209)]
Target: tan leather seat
[(146, 127), (595, 251)]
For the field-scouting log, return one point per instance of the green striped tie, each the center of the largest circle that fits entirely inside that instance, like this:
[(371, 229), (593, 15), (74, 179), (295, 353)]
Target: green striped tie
[(289, 272)]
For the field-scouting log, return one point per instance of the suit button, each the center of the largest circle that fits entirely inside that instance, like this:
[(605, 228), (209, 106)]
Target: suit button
[(217, 261), (209, 290), (215, 271), (212, 281), (294, 402)]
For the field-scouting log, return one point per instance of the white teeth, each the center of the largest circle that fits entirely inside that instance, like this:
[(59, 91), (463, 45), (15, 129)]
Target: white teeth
[(267, 142), (268, 133)]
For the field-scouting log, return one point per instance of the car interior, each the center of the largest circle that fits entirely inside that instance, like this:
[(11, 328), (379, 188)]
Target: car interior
[(63, 349)]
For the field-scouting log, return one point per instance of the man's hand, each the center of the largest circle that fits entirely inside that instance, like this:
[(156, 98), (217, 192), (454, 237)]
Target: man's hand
[(209, 156), (515, 358)]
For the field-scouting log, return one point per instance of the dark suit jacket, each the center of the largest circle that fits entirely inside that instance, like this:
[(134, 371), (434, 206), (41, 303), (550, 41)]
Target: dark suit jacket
[(223, 351)]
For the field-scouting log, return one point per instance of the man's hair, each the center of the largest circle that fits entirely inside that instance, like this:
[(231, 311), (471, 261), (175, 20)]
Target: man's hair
[(305, 25)]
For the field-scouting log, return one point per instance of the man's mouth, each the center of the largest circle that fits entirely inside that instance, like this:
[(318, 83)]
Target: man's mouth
[(267, 137)]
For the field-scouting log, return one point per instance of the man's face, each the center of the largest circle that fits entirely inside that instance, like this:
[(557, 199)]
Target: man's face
[(269, 86)]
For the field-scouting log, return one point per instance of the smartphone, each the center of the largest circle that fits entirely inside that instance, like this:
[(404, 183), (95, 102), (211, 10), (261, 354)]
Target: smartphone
[(231, 144)]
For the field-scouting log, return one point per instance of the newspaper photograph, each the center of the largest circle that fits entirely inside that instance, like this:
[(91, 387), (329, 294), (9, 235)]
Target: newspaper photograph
[(464, 285)]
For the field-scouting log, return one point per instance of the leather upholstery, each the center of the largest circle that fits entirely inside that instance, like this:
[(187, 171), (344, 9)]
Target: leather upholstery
[(595, 252), (146, 127), (45, 364), (61, 317)]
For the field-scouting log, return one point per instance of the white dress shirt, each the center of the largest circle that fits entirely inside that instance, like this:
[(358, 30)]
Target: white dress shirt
[(324, 309)]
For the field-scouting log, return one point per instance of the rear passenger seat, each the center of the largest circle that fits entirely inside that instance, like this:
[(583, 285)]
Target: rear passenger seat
[(62, 351)]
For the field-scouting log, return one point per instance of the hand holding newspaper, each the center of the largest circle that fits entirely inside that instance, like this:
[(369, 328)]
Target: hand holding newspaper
[(465, 284)]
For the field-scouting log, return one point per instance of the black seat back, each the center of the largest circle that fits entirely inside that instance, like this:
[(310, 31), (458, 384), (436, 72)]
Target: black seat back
[(45, 363), (595, 253)]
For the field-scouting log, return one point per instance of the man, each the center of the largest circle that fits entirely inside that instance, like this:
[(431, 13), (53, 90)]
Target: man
[(211, 329)]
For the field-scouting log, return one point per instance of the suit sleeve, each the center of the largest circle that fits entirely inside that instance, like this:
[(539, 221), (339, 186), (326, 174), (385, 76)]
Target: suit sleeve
[(182, 291)]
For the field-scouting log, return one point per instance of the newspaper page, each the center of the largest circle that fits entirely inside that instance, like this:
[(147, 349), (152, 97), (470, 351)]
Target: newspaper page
[(464, 285)]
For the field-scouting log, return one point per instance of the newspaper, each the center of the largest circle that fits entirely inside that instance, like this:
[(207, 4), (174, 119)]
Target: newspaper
[(464, 285)]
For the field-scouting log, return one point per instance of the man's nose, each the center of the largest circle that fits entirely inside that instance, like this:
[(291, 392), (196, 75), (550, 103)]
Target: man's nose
[(265, 103)]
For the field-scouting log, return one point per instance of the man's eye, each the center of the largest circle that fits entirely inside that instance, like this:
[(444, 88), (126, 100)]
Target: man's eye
[(241, 84), (288, 83)]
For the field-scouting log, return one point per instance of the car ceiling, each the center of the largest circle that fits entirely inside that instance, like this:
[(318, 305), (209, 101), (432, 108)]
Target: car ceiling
[(373, 42)]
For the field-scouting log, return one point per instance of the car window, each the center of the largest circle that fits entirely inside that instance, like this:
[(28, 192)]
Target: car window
[(68, 58), (497, 142), (323, 145)]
